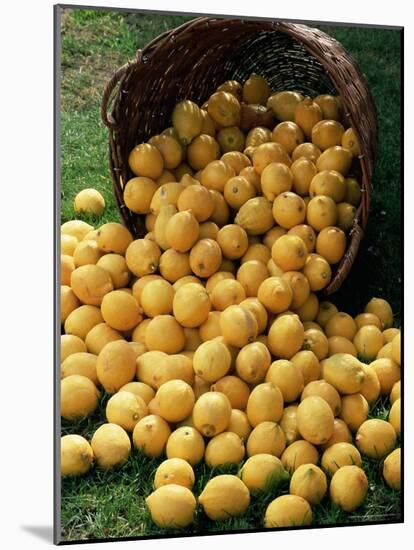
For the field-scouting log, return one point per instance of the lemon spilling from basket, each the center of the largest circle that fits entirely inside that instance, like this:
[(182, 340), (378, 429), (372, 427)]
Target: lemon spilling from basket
[(208, 332)]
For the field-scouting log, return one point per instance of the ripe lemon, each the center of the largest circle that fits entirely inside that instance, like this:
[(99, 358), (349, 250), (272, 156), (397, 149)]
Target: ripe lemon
[(187, 120), (285, 337), (212, 360), (174, 471), (224, 496), (211, 414), (253, 362), (298, 453), (224, 448), (265, 403), (287, 511), (309, 482), (315, 420), (262, 472), (307, 114), (392, 469), (175, 399), (338, 455), (354, 410), (323, 389), (111, 446), (126, 409), (286, 376), (349, 486), (268, 438), (276, 178), (116, 365), (289, 210), (375, 438), (172, 506), (76, 455), (78, 397), (186, 443)]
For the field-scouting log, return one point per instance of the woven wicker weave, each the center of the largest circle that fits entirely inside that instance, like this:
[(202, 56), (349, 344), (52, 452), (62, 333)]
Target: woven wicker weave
[(189, 62)]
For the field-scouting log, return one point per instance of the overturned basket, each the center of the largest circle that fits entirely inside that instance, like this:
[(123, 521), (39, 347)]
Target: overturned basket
[(191, 61)]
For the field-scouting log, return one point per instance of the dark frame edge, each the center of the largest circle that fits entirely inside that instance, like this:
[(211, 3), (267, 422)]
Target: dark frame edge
[(227, 16), (57, 8)]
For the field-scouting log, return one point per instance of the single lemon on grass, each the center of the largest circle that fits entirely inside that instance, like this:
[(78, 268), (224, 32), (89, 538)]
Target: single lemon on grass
[(224, 448), (151, 434), (174, 471), (224, 496), (263, 472), (394, 417), (111, 446), (309, 482), (375, 438), (126, 409), (298, 453), (288, 511), (78, 397), (172, 506), (349, 486), (76, 455), (338, 455), (186, 443), (267, 437), (392, 469)]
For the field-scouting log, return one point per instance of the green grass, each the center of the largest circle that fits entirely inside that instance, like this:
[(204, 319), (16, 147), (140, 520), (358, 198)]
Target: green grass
[(94, 44)]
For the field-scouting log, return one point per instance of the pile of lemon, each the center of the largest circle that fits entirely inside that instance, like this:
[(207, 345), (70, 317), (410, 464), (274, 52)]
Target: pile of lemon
[(208, 333)]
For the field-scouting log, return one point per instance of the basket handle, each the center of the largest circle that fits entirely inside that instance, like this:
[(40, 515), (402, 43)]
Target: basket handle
[(106, 117)]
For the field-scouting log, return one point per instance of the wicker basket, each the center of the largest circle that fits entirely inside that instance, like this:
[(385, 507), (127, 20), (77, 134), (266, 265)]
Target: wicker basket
[(189, 62)]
